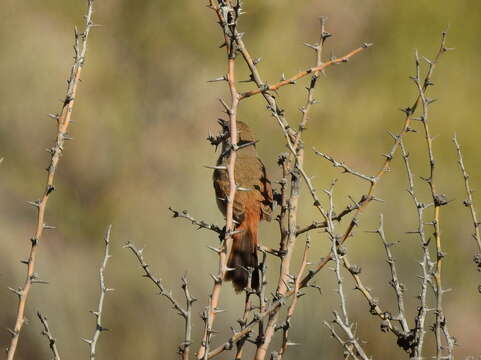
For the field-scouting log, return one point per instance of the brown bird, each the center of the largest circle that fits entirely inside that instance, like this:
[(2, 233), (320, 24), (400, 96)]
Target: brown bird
[(252, 204)]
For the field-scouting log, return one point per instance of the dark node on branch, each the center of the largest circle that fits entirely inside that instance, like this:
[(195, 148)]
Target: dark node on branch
[(440, 200), (355, 269), (407, 342), (477, 261), (50, 188), (385, 326), (341, 250)]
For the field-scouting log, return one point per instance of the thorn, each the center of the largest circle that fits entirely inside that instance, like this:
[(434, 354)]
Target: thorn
[(221, 78), (35, 203), (214, 249), (17, 292), (216, 167), (313, 47)]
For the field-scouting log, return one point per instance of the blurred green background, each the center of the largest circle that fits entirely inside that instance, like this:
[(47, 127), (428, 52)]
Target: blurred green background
[(144, 110)]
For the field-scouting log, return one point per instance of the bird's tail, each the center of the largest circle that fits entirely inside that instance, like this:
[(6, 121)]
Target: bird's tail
[(243, 255)]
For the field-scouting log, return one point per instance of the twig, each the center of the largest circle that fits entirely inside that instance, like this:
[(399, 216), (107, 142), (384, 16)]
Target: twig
[(63, 122), (342, 321), (292, 307), (395, 283), (415, 347), (301, 74), (384, 168), (321, 225), (103, 291), (469, 202), (439, 200), (46, 332), (200, 223), (351, 345), (184, 347), (228, 16), (346, 168), (288, 218), (186, 313)]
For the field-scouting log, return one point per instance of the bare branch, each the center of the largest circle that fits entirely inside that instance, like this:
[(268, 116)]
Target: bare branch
[(469, 203), (46, 332), (103, 291), (63, 122), (228, 17), (200, 223), (439, 200), (301, 74), (163, 291), (384, 168)]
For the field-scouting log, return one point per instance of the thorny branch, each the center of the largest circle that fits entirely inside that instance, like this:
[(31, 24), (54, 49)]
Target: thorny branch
[(228, 16), (469, 202), (351, 344), (439, 200), (293, 165), (395, 283), (409, 111), (296, 148), (415, 342), (63, 121), (290, 311), (200, 223), (52, 343), (184, 347), (99, 328)]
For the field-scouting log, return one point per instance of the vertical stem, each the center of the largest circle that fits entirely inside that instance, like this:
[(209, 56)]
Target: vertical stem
[(229, 26), (63, 121)]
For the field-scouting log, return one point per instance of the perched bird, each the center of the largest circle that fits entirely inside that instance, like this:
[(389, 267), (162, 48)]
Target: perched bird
[(252, 203)]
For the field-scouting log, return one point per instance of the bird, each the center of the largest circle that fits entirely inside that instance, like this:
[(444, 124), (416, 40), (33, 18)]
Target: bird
[(252, 203)]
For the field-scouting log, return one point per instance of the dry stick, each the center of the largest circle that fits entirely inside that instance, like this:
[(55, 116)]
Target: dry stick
[(46, 332), (184, 347), (342, 321), (321, 225), (438, 200), (342, 165), (402, 334), (63, 122), (290, 311), (103, 291), (200, 223), (247, 311), (469, 202), (291, 231), (163, 291), (416, 348), (395, 283), (301, 74), (384, 168), (229, 28), (335, 335)]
